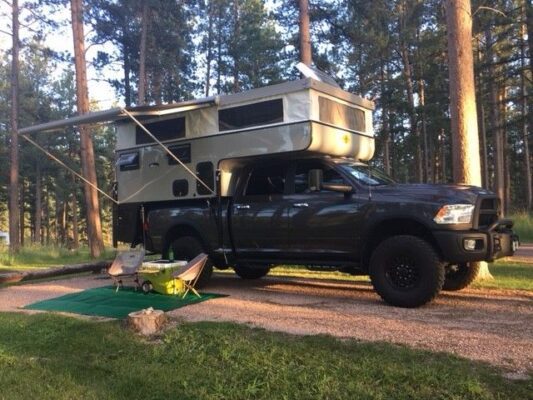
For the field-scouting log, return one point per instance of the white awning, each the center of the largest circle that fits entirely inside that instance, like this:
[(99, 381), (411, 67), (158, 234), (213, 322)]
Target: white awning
[(119, 113)]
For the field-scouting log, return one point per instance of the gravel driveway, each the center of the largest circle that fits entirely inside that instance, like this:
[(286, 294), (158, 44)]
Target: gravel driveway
[(491, 326)]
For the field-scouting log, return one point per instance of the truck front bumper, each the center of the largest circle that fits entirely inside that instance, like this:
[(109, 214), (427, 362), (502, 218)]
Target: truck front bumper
[(495, 242)]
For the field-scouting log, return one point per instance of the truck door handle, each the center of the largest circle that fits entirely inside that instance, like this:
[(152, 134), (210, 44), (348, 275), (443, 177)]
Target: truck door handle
[(242, 206), (301, 205)]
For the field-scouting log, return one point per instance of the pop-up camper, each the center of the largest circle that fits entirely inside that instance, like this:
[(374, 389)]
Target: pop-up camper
[(299, 116)]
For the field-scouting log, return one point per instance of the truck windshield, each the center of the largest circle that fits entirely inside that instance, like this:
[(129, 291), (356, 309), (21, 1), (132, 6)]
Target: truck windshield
[(367, 175)]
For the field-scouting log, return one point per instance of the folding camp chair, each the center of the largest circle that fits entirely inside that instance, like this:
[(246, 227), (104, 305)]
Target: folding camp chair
[(190, 273), (126, 264)]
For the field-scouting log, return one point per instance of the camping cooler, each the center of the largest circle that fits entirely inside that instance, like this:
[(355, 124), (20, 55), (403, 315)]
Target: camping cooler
[(159, 274)]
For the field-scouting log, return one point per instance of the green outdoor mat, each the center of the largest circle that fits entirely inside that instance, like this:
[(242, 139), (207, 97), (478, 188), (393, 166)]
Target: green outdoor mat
[(106, 302)]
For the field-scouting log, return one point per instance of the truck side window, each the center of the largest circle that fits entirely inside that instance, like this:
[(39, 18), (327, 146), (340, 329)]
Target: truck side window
[(300, 176), (266, 181)]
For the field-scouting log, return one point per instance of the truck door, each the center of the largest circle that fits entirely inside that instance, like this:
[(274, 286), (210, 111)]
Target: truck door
[(323, 224), (260, 213)]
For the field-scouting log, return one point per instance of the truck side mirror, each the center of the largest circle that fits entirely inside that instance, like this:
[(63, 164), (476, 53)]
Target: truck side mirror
[(314, 180)]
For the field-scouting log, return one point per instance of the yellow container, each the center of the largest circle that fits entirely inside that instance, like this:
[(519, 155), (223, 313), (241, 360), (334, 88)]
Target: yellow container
[(159, 274)]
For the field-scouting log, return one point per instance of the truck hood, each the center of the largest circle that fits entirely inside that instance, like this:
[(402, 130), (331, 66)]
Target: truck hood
[(432, 193)]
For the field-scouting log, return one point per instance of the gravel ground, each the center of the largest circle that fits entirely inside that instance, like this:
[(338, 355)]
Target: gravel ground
[(491, 326)]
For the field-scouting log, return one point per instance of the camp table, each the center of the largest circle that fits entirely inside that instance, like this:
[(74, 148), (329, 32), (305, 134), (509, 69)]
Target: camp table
[(157, 275)]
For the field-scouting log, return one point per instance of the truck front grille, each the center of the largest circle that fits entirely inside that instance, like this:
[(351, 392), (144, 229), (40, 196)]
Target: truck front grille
[(489, 211)]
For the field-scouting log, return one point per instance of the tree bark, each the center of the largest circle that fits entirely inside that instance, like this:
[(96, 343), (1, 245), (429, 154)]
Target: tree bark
[(385, 121), (495, 121), (21, 212), (305, 35), (482, 127), (142, 55), (14, 211), (236, 58), (94, 228), (524, 110), (127, 70), (38, 206), (209, 57), (465, 139)]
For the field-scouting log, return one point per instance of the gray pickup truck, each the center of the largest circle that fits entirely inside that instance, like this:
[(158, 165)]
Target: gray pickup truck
[(413, 240)]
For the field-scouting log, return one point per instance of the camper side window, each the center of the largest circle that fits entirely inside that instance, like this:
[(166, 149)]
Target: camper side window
[(266, 181), (262, 113), (128, 161), (168, 129), (341, 115)]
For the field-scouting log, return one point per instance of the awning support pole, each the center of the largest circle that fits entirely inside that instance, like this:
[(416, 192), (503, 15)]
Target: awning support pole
[(67, 167)]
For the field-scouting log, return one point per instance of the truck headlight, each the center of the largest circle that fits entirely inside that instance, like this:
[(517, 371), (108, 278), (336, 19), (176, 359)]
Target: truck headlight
[(455, 214)]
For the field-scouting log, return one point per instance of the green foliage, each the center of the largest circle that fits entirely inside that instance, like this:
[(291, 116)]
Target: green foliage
[(50, 356), (36, 256), (523, 226)]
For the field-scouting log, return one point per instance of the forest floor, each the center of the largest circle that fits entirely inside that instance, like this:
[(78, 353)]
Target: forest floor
[(479, 324)]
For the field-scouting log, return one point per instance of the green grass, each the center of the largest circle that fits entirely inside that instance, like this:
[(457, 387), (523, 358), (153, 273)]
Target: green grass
[(523, 226), (56, 357), (508, 275), (34, 256)]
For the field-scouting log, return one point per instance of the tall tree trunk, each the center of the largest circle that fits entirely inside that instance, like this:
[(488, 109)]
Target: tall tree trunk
[(408, 76), (127, 71), (481, 124), (305, 35), (38, 205), (75, 228), (46, 212), (157, 88), (236, 38), (14, 211), (465, 139), (529, 23), (385, 121), (21, 213), (425, 154), (94, 228), (524, 111), (219, 49), (142, 54), (495, 121), (209, 56), (502, 99)]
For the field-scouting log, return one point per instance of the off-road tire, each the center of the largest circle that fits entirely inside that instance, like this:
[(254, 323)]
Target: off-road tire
[(459, 276), (246, 271), (188, 247), (406, 271)]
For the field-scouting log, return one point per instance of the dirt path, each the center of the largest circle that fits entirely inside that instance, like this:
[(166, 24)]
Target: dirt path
[(524, 254), (492, 326)]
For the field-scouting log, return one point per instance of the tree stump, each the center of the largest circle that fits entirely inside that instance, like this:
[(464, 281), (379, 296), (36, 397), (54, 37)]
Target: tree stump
[(147, 322)]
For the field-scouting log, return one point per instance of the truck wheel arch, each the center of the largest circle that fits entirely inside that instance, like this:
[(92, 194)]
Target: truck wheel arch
[(394, 227), (178, 231)]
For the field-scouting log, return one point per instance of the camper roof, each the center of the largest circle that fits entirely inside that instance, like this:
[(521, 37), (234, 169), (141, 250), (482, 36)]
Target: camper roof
[(142, 112)]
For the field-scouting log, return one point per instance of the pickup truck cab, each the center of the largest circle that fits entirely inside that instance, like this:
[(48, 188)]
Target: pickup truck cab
[(411, 239)]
